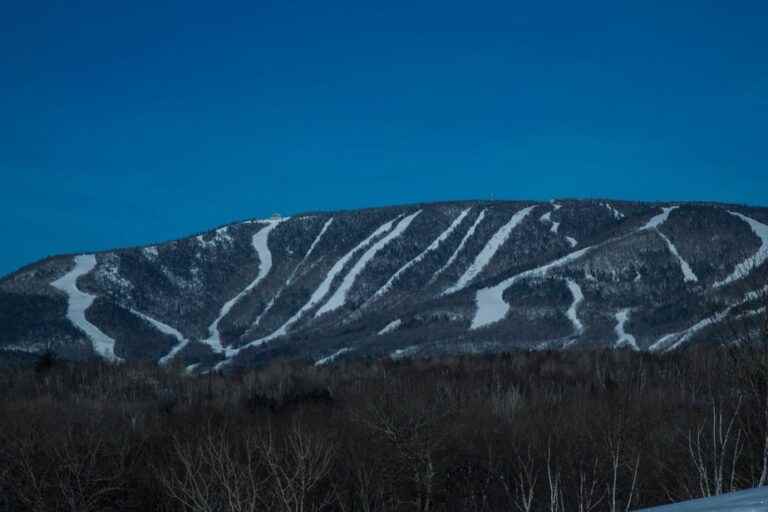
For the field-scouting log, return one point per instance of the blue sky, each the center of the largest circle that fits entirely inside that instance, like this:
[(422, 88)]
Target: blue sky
[(128, 123)]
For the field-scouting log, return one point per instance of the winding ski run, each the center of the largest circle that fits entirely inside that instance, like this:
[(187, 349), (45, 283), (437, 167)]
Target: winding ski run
[(744, 268), (622, 336), (261, 246), (182, 342), (490, 249), (78, 303), (654, 224), (385, 233)]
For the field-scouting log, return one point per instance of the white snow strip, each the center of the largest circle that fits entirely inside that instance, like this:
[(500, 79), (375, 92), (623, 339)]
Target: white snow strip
[(165, 329), (272, 301), (493, 245), (433, 246), (616, 213), (659, 219), (467, 236), (688, 274), (320, 293), (390, 327), (752, 500), (403, 352), (491, 307), (578, 298), (339, 297), (622, 336), (78, 304), (547, 217), (261, 247), (331, 358), (572, 241), (745, 267)]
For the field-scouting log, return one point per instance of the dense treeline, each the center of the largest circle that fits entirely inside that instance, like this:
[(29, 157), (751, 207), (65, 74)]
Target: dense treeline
[(528, 431)]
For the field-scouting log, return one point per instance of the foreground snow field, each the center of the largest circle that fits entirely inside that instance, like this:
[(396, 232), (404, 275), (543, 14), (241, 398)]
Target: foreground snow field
[(752, 500)]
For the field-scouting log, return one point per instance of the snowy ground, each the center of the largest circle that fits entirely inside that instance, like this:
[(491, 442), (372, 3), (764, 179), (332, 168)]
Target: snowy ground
[(744, 268), (752, 500)]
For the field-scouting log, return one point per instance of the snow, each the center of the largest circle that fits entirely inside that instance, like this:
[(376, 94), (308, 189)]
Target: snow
[(572, 241), (659, 219), (622, 337), (433, 246), (261, 246), (616, 213), (578, 298), (390, 327), (547, 217), (272, 301), (331, 358), (752, 500), (339, 297), (165, 329), (489, 251), (688, 274), (322, 290), (745, 267), (467, 236), (79, 302), (491, 307), (403, 352), (151, 252)]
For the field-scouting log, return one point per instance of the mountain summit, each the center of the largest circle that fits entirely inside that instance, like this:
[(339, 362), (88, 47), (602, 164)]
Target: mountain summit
[(404, 281)]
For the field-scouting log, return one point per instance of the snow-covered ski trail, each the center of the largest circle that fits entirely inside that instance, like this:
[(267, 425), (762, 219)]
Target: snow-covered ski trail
[(490, 303), (433, 246), (573, 310), (165, 329), (290, 279), (261, 246), (616, 213), (78, 303), (622, 336), (747, 266), (751, 500), (464, 240), (322, 290), (490, 249), (331, 358), (339, 297), (654, 224), (390, 327), (547, 217), (572, 241)]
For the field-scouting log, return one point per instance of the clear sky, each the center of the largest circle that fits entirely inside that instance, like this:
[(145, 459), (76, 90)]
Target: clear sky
[(132, 122)]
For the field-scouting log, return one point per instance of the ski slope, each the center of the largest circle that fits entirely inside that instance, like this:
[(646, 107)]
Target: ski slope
[(261, 246), (339, 297), (390, 327), (331, 358), (432, 247), (655, 223), (78, 303), (622, 336), (165, 329), (490, 303), (751, 500), (464, 240), (490, 249), (573, 310), (658, 220), (744, 268)]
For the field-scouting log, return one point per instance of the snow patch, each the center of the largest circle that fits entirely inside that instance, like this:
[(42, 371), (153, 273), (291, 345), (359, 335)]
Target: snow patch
[(489, 250), (433, 246), (622, 336), (151, 252), (79, 302), (572, 241), (745, 267), (467, 236), (390, 327), (616, 213), (752, 500), (403, 352), (339, 297), (331, 358)]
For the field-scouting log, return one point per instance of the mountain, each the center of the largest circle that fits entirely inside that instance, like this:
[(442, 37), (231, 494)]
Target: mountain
[(404, 281)]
